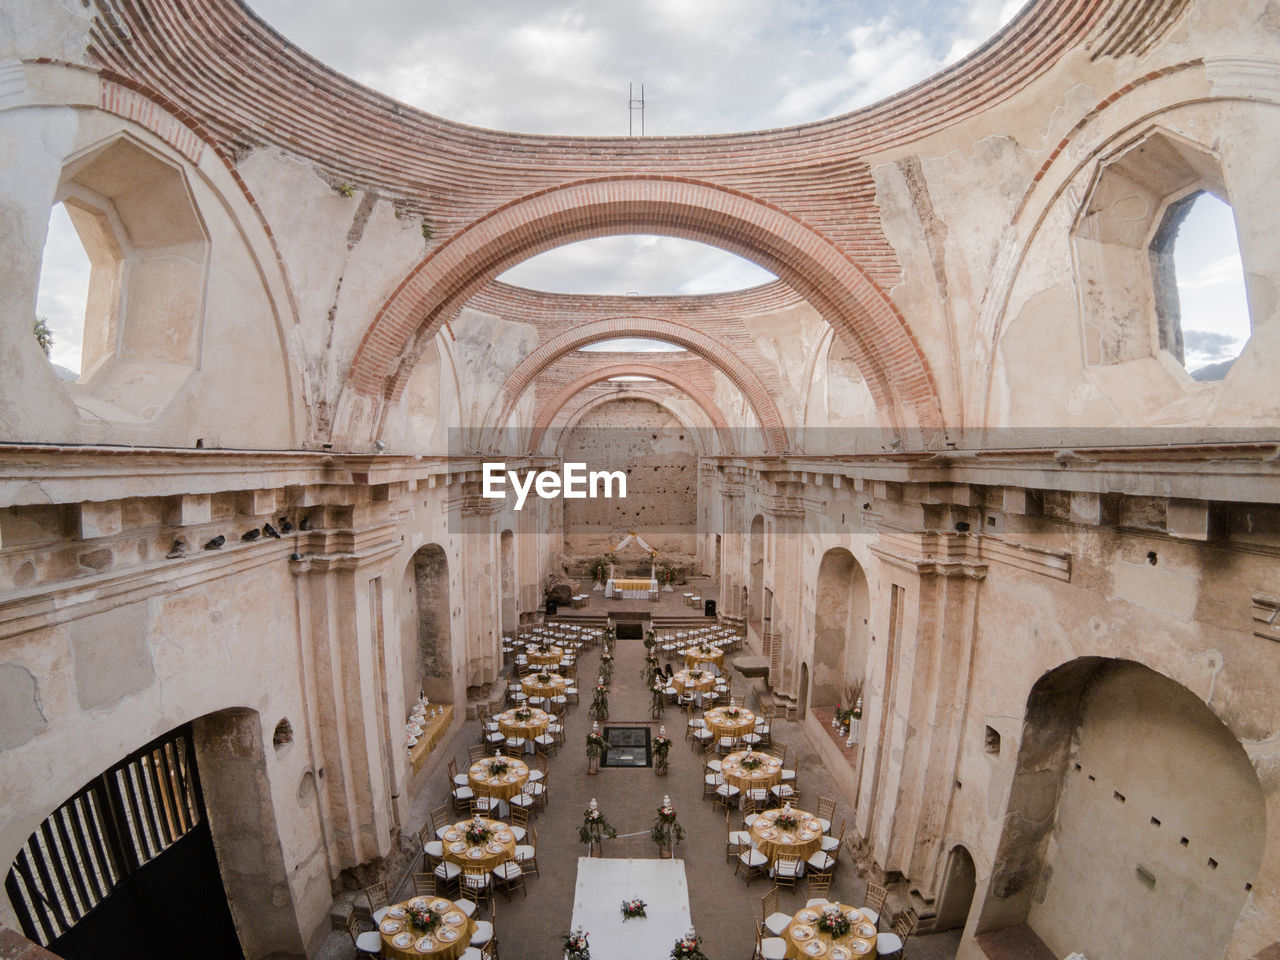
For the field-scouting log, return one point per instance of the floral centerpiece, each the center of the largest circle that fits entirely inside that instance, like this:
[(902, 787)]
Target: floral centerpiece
[(834, 923), (695, 674), (752, 761), (704, 648), (657, 698), (595, 745), (688, 947), (544, 678), (575, 946), (499, 767), (478, 833), (666, 831), (633, 909), (651, 639), (594, 826), (661, 748), (606, 666), (423, 917), (649, 673), (786, 820), (523, 715)]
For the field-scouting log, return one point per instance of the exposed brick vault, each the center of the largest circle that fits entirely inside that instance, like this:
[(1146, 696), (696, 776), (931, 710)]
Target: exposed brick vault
[(798, 200), (548, 411), (760, 400)]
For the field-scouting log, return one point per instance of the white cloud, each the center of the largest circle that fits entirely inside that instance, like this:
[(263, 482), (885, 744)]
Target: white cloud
[(64, 288)]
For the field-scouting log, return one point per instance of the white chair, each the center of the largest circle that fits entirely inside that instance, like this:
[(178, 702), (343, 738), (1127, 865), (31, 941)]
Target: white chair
[(776, 922), (821, 861), (787, 869), (715, 766), (483, 934), (466, 906), (447, 871), (773, 948)]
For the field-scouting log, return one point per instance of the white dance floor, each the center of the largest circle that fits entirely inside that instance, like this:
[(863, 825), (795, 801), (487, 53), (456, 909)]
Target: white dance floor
[(597, 907)]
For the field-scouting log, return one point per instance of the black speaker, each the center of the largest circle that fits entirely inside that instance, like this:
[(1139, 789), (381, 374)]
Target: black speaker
[(551, 608), (708, 608)]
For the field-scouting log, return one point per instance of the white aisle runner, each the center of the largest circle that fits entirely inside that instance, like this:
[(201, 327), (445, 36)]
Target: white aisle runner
[(597, 907)]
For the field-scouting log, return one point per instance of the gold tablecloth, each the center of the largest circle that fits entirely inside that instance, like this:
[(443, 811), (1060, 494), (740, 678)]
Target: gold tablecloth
[(763, 777), (489, 856), (550, 658), (803, 930), (694, 657), (632, 583), (722, 725), (533, 688), (433, 732), (804, 842), (684, 684), (437, 948), (535, 726), (512, 781)]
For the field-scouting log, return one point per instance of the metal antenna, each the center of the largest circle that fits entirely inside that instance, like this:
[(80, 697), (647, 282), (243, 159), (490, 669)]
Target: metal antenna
[(634, 105)]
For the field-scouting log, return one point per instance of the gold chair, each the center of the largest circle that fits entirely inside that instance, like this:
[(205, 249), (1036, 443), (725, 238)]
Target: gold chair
[(528, 858), (735, 840), (819, 889), (774, 920), (424, 884), (786, 869), (476, 752), (476, 884), (893, 944), (873, 902), (368, 943), (379, 900), (826, 812)]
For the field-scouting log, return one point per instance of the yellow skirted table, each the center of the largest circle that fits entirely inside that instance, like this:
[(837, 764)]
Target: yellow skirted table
[(447, 942), (499, 848), (432, 733), (711, 657), (539, 658), (806, 939), (502, 786), (533, 687), (693, 681), (535, 725), (730, 721), (773, 840), (768, 773)]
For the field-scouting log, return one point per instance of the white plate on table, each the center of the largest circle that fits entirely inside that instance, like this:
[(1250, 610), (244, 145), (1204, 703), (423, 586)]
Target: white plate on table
[(493, 847), (448, 935), (457, 847), (403, 940), (840, 953), (451, 834), (865, 930), (860, 947), (453, 918), (425, 945), (807, 916), (396, 912), (391, 926), (418, 903), (815, 948), (475, 853), (801, 931)]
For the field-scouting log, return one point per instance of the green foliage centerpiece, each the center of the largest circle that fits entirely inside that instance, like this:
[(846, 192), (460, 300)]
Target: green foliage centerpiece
[(834, 923), (661, 750), (786, 820), (478, 833), (657, 698), (600, 701), (423, 917), (752, 761)]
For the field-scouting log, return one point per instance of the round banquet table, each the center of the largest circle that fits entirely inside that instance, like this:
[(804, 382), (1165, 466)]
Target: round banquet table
[(500, 848), (502, 787), (552, 657), (535, 726), (721, 724), (802, 932), (712, 658), (763, 777), (437, 946), (552, 688), (685, 684), (772, 841)]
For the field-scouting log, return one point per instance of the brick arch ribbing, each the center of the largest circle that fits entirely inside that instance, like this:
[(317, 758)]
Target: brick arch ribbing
[(547, 413), (740, 375), (877, 335)]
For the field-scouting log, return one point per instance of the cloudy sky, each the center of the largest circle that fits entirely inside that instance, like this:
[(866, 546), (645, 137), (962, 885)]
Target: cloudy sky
[(708, 66)]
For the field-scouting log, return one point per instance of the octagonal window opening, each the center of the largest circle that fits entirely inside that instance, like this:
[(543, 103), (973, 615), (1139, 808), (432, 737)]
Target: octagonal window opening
[(1202, 309), (63, 294)]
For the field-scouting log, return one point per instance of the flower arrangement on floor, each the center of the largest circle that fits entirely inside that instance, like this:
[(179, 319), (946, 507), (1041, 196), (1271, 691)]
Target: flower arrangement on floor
[(600, 701), (423, 917), (651, 639), (834, 923), (649, 672), (688, 947), (661, 750), (606, 666), (594, 826), (595, 744), (575, 946), (666, 831), (633, 909), (657, 698), (478, 833)]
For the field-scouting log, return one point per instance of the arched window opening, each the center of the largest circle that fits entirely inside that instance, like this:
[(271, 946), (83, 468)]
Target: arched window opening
[(62, 300), (637, 265), (1201, 306), (631, 345)]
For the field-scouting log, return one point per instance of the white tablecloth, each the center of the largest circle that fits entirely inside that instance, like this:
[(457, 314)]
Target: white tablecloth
[(611, 591), (597, 907)]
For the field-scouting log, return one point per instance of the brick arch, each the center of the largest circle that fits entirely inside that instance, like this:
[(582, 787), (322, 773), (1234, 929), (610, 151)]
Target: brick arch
[(726, 361), (878, 337), (575, 416), (547, 413)]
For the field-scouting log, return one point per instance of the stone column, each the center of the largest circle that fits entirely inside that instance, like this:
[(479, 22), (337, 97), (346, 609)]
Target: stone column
[(787, 514), (482, 593)]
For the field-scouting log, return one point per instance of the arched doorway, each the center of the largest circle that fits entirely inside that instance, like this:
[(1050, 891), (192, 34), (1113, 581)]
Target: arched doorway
[(427, 640), (956, 896), (507, 561), (1130, 798), (840, 633)]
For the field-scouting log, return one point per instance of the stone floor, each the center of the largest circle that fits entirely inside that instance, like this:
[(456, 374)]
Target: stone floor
[(723, 906)]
